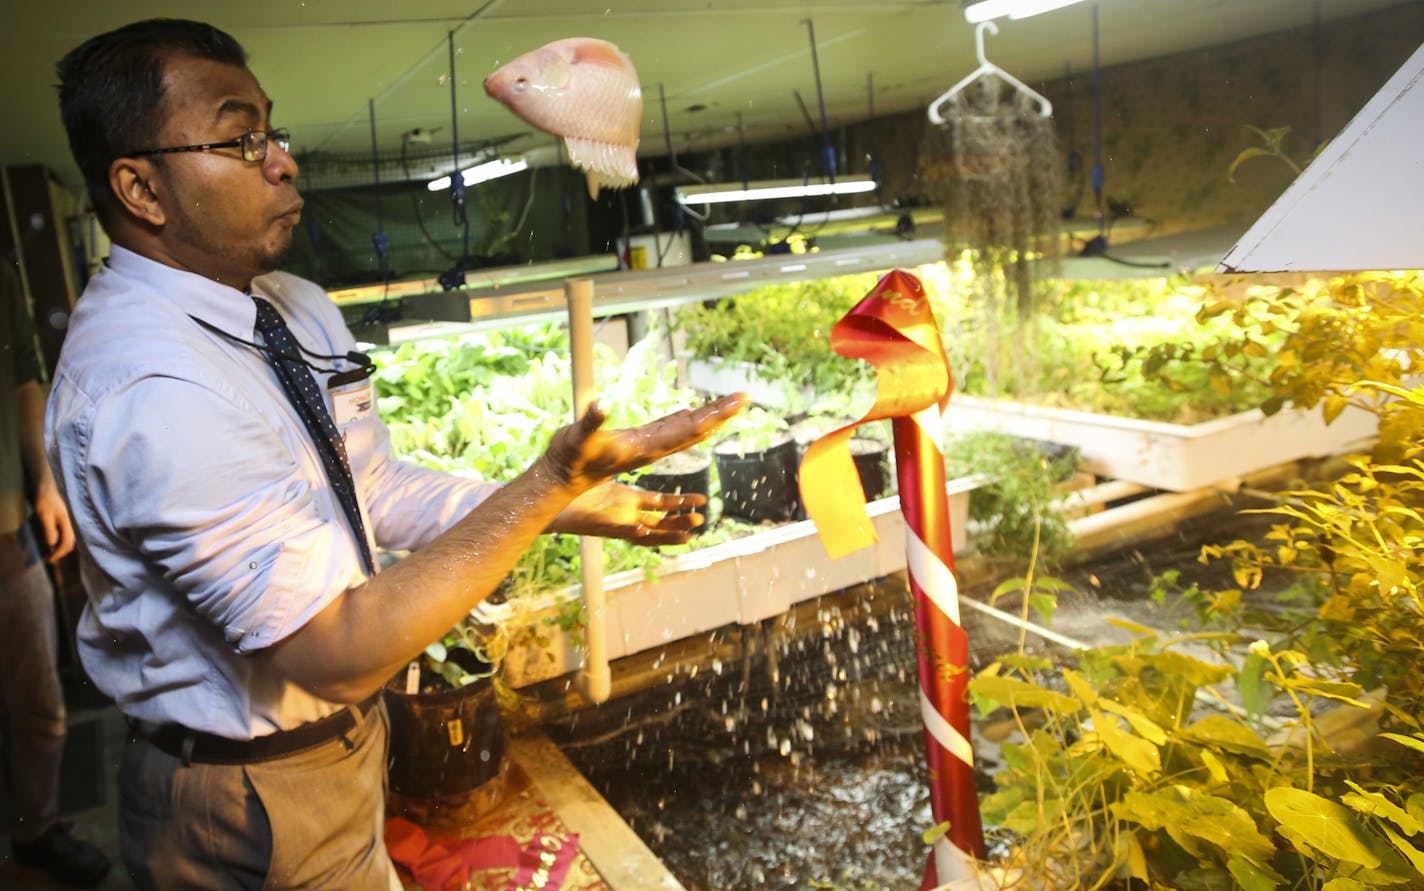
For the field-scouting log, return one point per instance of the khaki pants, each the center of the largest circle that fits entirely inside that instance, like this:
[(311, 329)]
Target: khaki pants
[(310, 820), (29, 686)]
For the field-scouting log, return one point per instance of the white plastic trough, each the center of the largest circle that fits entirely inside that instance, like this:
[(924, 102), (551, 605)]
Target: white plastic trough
[(1173, 457), (738, 582)]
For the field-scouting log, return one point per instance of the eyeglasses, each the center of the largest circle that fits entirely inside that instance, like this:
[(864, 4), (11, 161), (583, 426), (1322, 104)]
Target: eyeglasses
[(253, 144)]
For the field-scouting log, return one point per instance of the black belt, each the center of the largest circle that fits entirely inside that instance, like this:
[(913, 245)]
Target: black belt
[(195, 746)]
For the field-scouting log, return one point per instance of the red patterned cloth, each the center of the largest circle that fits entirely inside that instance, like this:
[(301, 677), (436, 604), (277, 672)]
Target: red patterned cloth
[(519, 843)]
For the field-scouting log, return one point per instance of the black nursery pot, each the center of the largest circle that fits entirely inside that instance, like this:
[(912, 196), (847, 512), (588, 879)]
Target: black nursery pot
[(871, 457), (683, 473), (758, 486), (872, 465), (446, 743)]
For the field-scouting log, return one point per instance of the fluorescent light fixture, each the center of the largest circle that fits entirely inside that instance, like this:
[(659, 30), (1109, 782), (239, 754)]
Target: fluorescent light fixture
[(482, 173), (766, 190), (984, 10)]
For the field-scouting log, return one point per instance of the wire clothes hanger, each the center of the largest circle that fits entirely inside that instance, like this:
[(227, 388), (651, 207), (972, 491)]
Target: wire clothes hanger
[(986, 68)]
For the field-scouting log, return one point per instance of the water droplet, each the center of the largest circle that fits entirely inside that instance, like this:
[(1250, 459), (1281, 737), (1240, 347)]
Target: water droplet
[(443, 80)]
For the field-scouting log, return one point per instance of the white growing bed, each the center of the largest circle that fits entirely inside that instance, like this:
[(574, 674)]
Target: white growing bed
[(739, 582), (1174, 457)]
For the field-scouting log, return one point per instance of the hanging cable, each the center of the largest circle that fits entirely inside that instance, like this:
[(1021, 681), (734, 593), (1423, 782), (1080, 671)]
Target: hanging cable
[(1097, 246), (660, 248), (379, 239), (828, 155), (1098, 175), (873, 157), (454, 277)]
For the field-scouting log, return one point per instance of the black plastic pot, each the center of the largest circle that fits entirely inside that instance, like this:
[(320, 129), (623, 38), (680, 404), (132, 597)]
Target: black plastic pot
[(446, 743), (684, 473), (758, 486), (872, 465), (872, 462)]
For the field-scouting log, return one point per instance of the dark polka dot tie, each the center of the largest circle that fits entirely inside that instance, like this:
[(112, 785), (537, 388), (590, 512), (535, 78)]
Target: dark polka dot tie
[(283, 353)]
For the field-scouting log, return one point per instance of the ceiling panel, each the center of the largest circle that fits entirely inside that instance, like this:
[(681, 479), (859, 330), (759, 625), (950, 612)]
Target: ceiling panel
[(746, 64)]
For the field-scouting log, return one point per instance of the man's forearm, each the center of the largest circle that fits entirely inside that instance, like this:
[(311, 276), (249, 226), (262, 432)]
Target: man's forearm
[(30, 401), (355, 645), (351, 648)]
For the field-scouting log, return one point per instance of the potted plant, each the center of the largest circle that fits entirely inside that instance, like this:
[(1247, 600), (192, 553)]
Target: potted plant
[(869, 443), (756, 468), (447, 728)]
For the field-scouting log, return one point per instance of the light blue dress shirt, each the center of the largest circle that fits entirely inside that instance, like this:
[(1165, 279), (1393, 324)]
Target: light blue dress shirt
[(207, 527)]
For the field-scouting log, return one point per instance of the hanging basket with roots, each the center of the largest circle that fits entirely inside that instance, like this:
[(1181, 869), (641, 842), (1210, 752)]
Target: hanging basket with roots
[(994, 167)]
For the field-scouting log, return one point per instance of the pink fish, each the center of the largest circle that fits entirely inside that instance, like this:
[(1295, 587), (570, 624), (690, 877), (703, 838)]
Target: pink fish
[(586, 91)]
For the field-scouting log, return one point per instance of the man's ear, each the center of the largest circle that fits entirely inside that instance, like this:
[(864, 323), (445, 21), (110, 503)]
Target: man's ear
[(133, 183)]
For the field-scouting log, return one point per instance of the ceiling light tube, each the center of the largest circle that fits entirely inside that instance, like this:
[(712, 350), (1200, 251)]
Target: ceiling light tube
[(984, 10), (482, 173), (717, 193)]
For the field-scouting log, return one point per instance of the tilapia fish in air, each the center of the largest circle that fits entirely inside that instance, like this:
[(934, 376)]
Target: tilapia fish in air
[(584, 90)]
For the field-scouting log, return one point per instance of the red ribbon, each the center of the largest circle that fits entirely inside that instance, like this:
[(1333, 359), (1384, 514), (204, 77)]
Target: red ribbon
[(446, 864), (894, 329)]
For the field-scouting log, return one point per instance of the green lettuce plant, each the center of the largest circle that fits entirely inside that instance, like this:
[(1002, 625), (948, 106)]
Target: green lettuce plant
[(1144, 763)]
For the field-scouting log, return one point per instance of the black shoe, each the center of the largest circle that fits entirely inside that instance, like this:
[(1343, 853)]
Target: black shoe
[(67, 859)]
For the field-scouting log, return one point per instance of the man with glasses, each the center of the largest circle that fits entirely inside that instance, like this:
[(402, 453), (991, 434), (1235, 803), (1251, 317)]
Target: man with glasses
[(228, 504)]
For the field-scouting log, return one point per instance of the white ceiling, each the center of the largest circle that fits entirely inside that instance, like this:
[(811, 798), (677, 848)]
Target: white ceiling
[(327, 63)]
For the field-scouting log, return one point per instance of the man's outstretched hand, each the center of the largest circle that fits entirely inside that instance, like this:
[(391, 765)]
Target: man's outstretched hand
[(585, 457), (613, 510)]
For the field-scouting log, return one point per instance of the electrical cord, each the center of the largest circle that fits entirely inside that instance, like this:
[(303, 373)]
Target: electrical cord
[(415, 203)]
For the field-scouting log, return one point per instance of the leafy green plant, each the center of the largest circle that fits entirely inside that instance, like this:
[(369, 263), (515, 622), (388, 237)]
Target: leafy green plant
[(1272, 146), (754, 429), (1014, 504), (485, 404), (1126, 347), (784, 329), (1138, 764), (1124, 773)]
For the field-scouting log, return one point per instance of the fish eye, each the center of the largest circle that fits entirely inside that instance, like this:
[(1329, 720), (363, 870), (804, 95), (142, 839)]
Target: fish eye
[(521, 84)]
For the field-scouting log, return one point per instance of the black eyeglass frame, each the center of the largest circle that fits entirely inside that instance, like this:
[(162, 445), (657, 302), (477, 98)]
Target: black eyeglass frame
[(253, 149)]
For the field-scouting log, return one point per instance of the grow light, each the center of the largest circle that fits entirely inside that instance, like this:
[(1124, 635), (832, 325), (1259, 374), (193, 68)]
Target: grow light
[(767, 190), (482, 173), (984, 10)]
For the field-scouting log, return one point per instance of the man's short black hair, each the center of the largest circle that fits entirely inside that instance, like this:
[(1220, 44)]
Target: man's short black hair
[(111, 91)]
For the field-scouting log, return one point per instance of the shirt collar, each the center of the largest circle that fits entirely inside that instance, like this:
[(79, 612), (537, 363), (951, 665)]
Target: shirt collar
[(225, 308)]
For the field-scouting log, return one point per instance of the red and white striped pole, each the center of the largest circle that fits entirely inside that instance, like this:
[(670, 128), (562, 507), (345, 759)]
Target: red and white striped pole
[(894, 329)]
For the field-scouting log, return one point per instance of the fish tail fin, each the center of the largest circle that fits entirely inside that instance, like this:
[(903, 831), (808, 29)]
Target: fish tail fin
[(614, 165)]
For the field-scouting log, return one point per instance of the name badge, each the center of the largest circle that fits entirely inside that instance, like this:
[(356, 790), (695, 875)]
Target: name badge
[(352, 404)]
